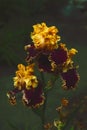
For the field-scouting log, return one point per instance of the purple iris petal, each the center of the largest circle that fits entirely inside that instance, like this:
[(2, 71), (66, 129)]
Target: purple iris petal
[(59, 56), (33, 97), (44, 63), (32, 52), (70, 78)]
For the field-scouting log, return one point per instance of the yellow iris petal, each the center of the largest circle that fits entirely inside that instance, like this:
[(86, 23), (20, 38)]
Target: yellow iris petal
[(45, 37), (25, 77)]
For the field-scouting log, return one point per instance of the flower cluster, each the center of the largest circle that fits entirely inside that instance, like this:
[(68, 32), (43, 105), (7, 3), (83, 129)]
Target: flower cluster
[(50, 56)]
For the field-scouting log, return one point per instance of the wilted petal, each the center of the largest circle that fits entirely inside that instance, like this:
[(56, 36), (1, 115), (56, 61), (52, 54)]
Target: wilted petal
[(11, 96)]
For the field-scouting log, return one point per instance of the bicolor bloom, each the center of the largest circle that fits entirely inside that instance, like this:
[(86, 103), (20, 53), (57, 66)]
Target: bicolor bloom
[(50, 55), (45, 37), (57, 60), (26, 82)]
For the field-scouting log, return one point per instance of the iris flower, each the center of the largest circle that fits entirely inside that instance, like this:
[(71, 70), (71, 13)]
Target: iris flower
[(26, 82)]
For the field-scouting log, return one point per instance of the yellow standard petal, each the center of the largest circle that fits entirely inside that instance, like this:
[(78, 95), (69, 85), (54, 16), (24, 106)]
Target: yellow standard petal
[(25, 77), (45, 37)]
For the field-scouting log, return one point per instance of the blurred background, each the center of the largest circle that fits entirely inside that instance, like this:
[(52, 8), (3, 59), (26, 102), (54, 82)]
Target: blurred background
[(16, 20), (18, 16)]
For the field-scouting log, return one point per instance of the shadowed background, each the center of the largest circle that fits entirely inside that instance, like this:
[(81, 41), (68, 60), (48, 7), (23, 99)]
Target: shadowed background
[(16, 20)]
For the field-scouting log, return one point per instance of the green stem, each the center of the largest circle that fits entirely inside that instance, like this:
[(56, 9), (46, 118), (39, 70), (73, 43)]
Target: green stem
[(46, 88), (50, 85), (43, 111), (44, 105), (42, 78)]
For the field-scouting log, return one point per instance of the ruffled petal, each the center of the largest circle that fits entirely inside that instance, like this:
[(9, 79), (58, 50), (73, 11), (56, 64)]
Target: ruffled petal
[(33, 97), (59, 56), (70, 79), (45, 37)]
